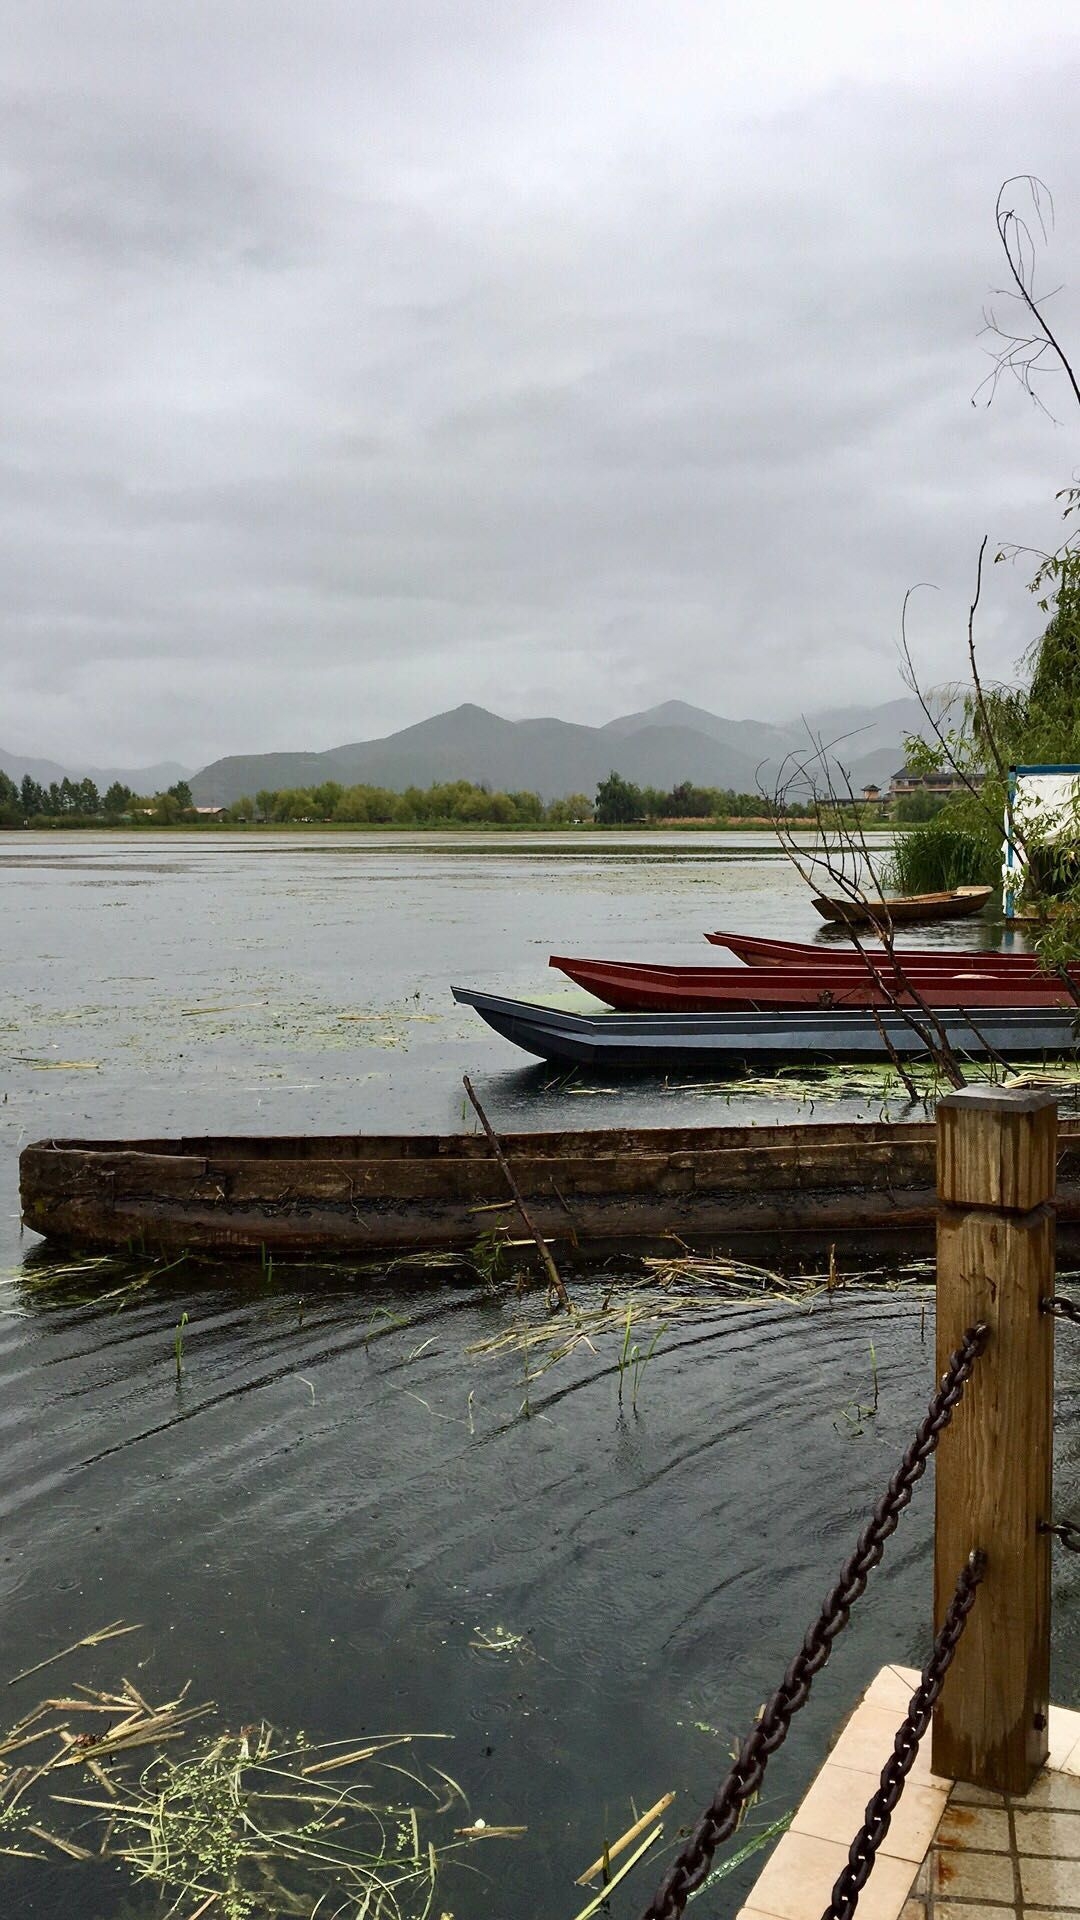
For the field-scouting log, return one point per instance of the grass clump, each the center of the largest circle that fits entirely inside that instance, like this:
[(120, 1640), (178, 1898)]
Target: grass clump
[(251, 1829), (238, 1825), (937, 857)]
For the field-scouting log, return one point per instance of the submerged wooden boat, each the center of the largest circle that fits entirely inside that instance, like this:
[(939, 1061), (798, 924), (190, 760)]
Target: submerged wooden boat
[(903, 907), (622, 1188), (634, 987), (723, 1042)]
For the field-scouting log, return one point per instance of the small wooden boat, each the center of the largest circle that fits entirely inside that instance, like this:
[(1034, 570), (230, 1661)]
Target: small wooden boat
[(723, 1042), (757, 951), (903, 908), (627, 1189), (633, 987)]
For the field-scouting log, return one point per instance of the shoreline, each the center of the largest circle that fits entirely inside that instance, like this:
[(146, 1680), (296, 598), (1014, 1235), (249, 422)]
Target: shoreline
[(480, 828)]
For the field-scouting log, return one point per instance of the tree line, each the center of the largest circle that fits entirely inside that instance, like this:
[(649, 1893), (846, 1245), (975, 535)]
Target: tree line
[(618, 802), (79, 803)]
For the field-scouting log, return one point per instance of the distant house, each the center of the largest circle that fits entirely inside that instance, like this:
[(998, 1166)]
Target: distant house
[(871, 792), (938, 784), (209, 813)]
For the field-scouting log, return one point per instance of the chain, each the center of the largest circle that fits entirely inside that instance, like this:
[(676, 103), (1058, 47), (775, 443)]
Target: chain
[(879, 1812), (1067, 1531), (1062, 1307), (722, 1816)]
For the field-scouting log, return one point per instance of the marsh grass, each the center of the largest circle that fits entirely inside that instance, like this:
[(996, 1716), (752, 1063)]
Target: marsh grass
[(679, 1287), (178, 1347), (854, 1415), (239, 1824), (935, 858), (632, 1360)]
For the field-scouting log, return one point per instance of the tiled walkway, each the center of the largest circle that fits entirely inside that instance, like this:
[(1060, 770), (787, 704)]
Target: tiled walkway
[(951, 1853)]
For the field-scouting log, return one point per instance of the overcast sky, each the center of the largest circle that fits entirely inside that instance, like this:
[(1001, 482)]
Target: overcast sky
[(362, 357)]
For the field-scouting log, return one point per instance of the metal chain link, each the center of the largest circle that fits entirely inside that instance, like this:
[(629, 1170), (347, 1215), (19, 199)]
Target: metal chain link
[(1061, 1307), (722, 1816), (879, 1812), (1067, 1531)]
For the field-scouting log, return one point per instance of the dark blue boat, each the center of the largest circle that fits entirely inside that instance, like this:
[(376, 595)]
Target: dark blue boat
[(663, 1041)]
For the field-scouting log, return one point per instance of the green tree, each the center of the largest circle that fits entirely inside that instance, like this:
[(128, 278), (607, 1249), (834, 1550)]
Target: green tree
[(325, 798), (570, 811), (686, 802), (1035, 722), (914, 809), (242, 809), (118, 798), (527, 806), (11, 814), (266, 802), (31, 798), (181, 793), (618, 801)]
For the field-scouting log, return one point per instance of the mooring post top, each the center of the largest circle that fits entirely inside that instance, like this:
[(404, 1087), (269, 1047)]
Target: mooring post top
[(998, 1100), (997, 1148)]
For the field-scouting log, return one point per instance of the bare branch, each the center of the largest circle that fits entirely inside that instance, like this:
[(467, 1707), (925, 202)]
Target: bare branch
[(1025, 355)]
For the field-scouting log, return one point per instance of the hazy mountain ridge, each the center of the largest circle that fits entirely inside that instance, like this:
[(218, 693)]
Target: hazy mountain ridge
[(657, 747), (140, 779)]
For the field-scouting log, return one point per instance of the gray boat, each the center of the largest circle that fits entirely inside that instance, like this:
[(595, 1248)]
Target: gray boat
[(662, 1041)]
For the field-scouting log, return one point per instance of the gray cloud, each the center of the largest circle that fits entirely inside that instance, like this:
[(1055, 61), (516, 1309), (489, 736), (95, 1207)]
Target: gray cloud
[(363, 358)]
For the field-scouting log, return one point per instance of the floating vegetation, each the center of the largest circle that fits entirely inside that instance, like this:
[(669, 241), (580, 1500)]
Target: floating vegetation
[(678, 1287), (499, 1640), (43, 1279), (243, 1825), (114, 1630), (58, 1066)]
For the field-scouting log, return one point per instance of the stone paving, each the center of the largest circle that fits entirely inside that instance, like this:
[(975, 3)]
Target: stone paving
[(952, 1852)]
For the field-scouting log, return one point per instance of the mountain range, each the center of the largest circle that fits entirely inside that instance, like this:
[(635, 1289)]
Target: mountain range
[(664, 744), (658, 747), (140, 779)]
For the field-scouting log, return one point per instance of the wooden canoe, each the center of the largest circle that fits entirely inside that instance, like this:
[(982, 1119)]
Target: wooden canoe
[(722, 1043), (625, 1188), (634, 987), (756, 951), (903, 907)]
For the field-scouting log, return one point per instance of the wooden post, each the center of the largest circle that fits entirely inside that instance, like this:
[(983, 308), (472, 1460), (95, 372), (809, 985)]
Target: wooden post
[(995, 1262)]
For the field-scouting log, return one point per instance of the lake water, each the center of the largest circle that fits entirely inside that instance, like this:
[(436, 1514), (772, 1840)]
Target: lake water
[(339, 1519)]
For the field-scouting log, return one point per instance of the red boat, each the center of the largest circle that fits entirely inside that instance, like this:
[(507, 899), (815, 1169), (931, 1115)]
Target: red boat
[(634, 988), (758, 952)]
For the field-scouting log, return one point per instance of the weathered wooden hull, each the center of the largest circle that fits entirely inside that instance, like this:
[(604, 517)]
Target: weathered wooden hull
[(903, 908), (352, 1197)]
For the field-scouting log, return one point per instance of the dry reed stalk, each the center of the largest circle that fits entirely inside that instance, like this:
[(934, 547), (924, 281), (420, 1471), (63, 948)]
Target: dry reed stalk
[(542, 1247), (626, 1839)]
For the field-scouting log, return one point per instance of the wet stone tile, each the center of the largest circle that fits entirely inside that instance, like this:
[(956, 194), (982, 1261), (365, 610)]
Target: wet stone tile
[(1049, 1832), (964, 1910), (959, 1875), (976, 1829), (1050, 1883), (797, 1882), (1060, 1790), (964, 1796), (837, 1797)]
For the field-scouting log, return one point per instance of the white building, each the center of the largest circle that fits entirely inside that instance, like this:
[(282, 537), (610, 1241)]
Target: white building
[(1043, 807)]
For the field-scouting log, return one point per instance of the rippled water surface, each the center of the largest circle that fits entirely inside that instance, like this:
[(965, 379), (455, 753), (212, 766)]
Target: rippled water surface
[(340, 1518)]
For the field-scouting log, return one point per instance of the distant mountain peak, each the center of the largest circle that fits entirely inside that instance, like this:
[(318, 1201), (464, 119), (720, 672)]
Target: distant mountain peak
[(656, 747)]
